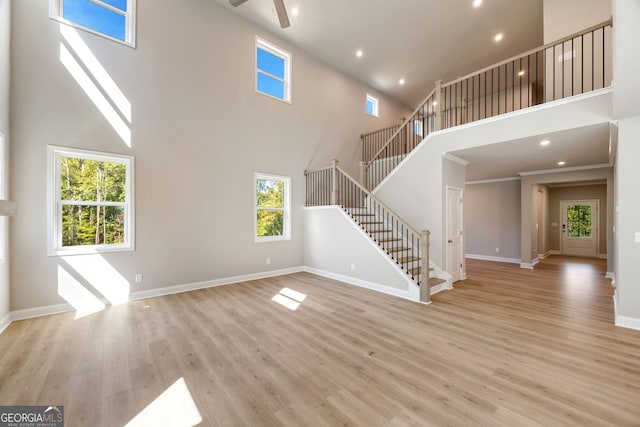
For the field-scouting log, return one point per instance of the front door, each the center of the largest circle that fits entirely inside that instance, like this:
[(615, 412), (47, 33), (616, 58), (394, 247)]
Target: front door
[(579, 231), (454, 233)]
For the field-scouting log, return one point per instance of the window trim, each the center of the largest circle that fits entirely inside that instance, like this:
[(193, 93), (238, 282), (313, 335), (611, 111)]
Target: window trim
[(54, 204), (56, 13), (286, 201), (374, 101), (285, 56)]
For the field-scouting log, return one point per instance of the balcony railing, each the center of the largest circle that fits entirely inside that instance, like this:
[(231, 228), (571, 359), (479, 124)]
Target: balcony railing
[(573, 65), (576, 64)]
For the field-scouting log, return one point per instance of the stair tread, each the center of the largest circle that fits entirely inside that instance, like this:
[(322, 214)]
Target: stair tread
[(380, 231), (362, 214), (371, 222), (388, 240), (417, 270), (433, 281), (398, 249), (408, 259)]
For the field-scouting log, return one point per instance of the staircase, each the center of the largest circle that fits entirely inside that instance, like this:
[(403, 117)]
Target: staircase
[(408, 248), (545, 74), (394, 244)]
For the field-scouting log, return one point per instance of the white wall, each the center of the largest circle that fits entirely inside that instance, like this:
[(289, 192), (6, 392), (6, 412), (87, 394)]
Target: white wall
[(564, 17), (5, 36), (626, 67), (628, 214), (492, 219), (334, 253), (199, 132)]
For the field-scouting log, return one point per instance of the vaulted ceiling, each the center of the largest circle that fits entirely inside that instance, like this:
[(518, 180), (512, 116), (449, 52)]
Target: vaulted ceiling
[(420, 41)]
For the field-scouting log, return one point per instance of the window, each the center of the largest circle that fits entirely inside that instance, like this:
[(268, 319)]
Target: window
[(372, 105), (418, 127), (272, 207), (579, 221), (114, 19), (90, 201), (273, 71)]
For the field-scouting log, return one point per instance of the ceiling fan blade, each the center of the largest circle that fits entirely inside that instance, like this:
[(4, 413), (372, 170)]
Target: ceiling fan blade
[(236, 3), (281, 11)]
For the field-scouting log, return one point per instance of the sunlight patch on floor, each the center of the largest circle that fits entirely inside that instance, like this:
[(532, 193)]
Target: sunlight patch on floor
[(289, 298), (174, 407)]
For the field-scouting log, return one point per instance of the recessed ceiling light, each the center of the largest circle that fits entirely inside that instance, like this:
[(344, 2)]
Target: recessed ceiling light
[(545, 142), (401, 81), (477, 3), (295, 11), (498, 37), (359, 53), (562, 163), (521, 73)]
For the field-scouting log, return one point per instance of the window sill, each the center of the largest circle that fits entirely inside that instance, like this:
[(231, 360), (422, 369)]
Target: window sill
[(89, 250)]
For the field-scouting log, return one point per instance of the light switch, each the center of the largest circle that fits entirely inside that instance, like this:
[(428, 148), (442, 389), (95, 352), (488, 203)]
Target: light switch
[(637, 237)]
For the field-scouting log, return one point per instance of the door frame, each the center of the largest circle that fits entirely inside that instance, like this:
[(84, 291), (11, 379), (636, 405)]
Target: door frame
[(597, 221), (463, 274)]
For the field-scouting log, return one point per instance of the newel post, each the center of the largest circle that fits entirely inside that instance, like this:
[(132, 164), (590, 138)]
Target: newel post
[(438, 105), (425, 289), (334, 182)]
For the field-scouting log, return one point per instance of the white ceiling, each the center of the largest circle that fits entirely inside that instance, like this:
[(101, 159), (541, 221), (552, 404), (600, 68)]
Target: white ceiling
[(426, 40), (419, 40), (586, 146)]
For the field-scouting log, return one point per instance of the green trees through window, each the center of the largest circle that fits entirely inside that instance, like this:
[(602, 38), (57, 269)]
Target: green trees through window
[(272, 206), (270, 218), (579, 221), (90, 201), (92, 195)]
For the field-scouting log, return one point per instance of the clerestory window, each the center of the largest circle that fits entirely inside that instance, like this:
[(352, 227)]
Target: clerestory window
[(113, 19)]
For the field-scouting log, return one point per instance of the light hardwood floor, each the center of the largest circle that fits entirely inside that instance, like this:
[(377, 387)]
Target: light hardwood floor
[(506, 347)]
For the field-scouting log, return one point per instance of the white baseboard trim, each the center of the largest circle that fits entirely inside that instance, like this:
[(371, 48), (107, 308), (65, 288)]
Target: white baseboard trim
[(611, 275), (30, 313), (628, 322), (176, 289), (544, 255), (361, 283), (554, 252), (624, 321), (529, 266), (493, 258), (5, 322)]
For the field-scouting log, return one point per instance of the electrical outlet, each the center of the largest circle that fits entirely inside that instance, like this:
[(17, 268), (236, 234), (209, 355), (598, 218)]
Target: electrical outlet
[(497, 250), (268, 261), (637, 237), (139, 278), (353, 267)]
